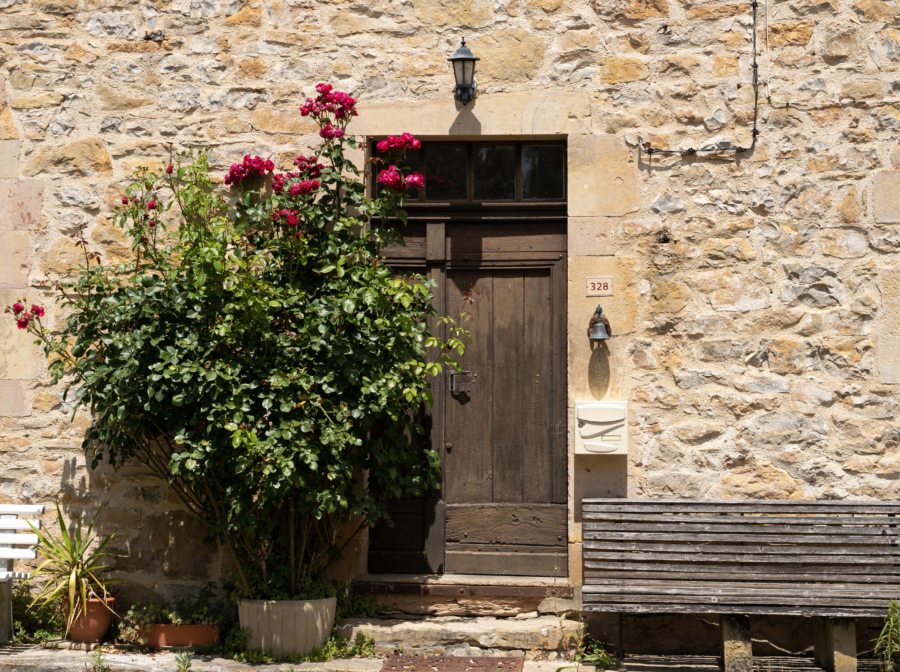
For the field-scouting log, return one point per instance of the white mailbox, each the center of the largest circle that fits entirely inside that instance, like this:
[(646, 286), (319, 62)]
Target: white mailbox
[(601, 427)]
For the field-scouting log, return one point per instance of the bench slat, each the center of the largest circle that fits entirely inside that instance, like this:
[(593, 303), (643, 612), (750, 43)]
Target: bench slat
[(704, 608), (748, 537), (20, 509), (746, 593), (758, 526), (684, 549), (726, 506), (739, 519), (17, 524), (7, 553), (592, 575), (6, 576), (18, 539)]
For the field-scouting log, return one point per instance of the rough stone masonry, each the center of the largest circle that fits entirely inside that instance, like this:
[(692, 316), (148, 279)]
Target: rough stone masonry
[(758, 321)]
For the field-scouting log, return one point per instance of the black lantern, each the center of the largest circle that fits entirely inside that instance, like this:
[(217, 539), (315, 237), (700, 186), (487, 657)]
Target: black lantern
[(463, 61)]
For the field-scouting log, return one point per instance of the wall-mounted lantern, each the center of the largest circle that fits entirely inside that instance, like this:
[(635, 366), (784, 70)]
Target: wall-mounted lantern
[(599, 328), (463, 61)]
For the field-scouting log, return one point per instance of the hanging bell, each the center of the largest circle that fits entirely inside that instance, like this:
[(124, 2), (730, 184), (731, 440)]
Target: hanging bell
[(598, 332), (599, 328)]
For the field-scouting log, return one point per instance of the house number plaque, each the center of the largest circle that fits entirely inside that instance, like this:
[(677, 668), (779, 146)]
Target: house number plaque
[(602, 286)]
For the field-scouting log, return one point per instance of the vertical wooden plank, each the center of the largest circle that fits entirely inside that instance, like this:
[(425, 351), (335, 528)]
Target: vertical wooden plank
[(434, 506), (467, 437), (509, 383), (559, 391), (539, 434), (435, 241)]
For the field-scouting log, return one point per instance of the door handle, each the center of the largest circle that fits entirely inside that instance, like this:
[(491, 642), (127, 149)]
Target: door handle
[(453, 374)]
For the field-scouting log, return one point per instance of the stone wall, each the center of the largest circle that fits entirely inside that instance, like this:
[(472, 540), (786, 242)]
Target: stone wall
[(756, 310)]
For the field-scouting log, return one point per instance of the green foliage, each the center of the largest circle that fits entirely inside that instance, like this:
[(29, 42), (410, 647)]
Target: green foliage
[(183, 662), (98, 662), (350, 605), (36, 624), (593, 652), (73, 567), (887, 646), (261, 367), (334, 647)]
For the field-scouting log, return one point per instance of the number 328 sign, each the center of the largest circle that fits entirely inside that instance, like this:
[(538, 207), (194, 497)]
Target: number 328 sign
[(602, 286)]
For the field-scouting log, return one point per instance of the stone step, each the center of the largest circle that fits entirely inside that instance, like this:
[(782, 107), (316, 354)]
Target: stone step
[(534, 637)]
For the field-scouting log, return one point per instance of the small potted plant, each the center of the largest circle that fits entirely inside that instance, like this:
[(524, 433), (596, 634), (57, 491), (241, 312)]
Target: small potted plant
[(189, 621), (73, 573)]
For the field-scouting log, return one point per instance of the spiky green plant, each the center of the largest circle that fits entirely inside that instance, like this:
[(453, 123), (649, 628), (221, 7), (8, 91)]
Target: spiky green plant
[(888, 643), (73, 567)]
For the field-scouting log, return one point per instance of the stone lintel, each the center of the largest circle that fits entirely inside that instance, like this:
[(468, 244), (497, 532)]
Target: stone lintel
[(603, 177), (534, 113)]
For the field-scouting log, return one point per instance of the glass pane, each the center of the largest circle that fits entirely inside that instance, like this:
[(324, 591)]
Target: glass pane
[(543, 172), (445, 172), (495, 172)]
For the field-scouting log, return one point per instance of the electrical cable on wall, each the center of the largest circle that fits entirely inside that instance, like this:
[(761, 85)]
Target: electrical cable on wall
[(723, 145), (728, 146)]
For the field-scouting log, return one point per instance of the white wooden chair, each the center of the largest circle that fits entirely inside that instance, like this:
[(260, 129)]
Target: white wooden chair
[(17, 542)]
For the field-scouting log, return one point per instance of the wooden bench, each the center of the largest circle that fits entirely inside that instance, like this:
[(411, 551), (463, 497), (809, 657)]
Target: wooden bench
[(17, 542), (833, 560)]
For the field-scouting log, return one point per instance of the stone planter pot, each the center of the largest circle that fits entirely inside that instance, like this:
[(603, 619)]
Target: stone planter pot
[(287, 627), (91, 626), (160, 635)]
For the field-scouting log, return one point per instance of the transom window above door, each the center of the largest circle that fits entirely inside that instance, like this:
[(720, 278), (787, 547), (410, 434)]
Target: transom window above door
[(478, 172)]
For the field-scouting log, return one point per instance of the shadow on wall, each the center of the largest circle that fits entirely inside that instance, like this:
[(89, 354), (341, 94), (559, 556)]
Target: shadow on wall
[(598, 370), (165, 550)]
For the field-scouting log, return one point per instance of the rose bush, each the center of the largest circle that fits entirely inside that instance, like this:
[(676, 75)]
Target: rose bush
[(257, 352)]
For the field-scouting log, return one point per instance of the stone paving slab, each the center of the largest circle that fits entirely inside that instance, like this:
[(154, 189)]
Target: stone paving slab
[(36, 659)]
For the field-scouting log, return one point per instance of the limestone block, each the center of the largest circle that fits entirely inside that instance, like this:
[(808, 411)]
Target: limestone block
[(808, 397), (603, 177), (16, 263), (598, 373), (545, 112), (456, 13), (249, 14), (21, 203), (886, 197), (592, 236), (622, 69), (888, 329), (32, 101), (269, 120), (118, 98), (727, 290), (20, 359), (9, 158), (12, 398), (510, 55), (862, 88), (82, 157), (707, 11), (758, 480), (8, 130), (669, 297), (785, 33), (847, 243), (876, 10), (632, 10)]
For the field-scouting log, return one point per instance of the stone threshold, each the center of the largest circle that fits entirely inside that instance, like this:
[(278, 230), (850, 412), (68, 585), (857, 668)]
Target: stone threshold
[(456, 585)]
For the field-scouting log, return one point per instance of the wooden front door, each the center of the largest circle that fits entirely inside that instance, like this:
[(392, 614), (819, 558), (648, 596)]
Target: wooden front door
[(500, 422)]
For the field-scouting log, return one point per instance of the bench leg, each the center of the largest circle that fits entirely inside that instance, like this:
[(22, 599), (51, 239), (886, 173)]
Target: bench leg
[(6, 616), (836, 644), (737, 649)]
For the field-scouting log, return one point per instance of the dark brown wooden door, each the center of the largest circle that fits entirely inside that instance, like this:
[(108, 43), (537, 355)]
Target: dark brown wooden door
[(500, 422), (504, 437)]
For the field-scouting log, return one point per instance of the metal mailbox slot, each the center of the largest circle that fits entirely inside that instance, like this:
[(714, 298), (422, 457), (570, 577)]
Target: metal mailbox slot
[(601, 427)]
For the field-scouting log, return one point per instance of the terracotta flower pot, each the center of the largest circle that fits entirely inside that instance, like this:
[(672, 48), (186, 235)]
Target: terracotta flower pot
[(160, 635), (287, 627), (93, 623)]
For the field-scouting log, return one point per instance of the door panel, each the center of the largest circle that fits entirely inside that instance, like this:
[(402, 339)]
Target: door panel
[(503, 448), (500, 422)]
